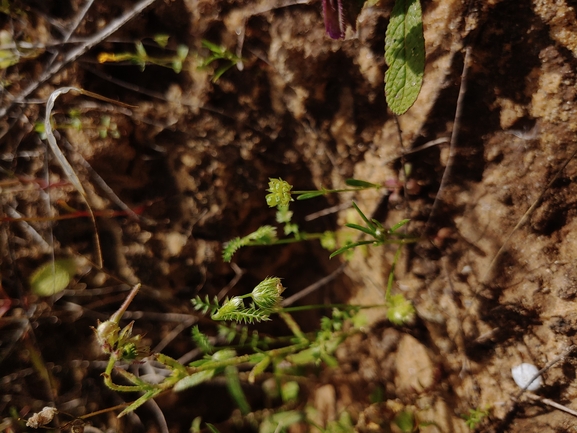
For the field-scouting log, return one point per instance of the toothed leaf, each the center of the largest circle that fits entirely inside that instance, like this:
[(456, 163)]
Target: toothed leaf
[(405, 55)]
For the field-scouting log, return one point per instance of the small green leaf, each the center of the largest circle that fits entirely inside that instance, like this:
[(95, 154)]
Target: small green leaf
[(235, 389), (212, 47), (177, 66), (212, 428), (161, 40), (399, 225), (361, 228), (52, 277), (311, 194), (365, 219), (289, 391), (139, 402), (405, 55), (181, 52), (193, 380), (361, 183), (405, 420), (349, 247), (279, 421), (140, 51), (201, 340)]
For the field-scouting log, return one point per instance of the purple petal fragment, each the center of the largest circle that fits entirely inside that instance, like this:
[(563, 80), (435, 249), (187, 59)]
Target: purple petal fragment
[(334, 18)]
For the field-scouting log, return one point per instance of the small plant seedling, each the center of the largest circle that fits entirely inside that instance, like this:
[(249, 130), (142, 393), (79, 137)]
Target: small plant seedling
[(475, 417), (379, 234), (399, 309), (219, 53), (280, 195)]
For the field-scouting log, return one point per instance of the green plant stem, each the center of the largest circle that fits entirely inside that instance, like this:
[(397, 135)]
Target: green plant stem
[(322, 306), (302, 237), (237, 360), (392, 275), (293, 326), (328, 191)]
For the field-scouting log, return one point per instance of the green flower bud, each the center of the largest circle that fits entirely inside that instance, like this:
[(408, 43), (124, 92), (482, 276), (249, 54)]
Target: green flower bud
[(230, 306), (267, 295), (400, 310), (280, 193)]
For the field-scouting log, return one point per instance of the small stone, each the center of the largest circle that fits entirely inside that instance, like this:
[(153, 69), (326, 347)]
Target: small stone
[(523, 373)]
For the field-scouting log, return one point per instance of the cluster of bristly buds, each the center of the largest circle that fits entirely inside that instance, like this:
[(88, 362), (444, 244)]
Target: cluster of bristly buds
[(337, 17), (120, 342)]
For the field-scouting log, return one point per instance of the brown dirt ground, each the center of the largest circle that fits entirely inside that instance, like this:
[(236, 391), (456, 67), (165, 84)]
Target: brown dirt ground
[(197, 155)]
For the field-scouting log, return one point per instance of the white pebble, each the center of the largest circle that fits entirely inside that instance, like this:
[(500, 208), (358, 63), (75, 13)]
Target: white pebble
[(523, 373)]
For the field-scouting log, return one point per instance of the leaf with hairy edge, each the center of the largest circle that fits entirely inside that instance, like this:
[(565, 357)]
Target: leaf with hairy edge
[(405, 55)]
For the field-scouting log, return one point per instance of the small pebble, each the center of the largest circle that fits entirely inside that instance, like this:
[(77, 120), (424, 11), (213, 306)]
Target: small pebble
[(523, 373)]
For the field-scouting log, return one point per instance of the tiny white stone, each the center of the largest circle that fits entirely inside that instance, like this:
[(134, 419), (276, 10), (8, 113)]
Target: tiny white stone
[(523, 373)]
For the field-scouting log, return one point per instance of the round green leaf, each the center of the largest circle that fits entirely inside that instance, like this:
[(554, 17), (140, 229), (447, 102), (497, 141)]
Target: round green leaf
[(52, 277)]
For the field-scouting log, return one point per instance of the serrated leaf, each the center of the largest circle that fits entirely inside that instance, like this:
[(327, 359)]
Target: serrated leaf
[(52, 277), (405, 55), (201, 340)]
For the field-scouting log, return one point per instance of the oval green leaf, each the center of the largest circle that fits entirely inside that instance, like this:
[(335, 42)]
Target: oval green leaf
[(405, 55), (52, 277)]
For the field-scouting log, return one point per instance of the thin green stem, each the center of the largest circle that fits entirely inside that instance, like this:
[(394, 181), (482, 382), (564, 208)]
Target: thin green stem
[(328, 191), (237, 360), (293, 326), (392, 275), (302, 237), (322, 306)]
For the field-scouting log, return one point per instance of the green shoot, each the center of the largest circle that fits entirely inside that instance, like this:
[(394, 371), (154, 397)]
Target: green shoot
[(265, 235), (280, 196), (219, 53), (265, 296), (281, 191), (475, 417), (201, 340), (399, 309), (301, 349), (379, 234)]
